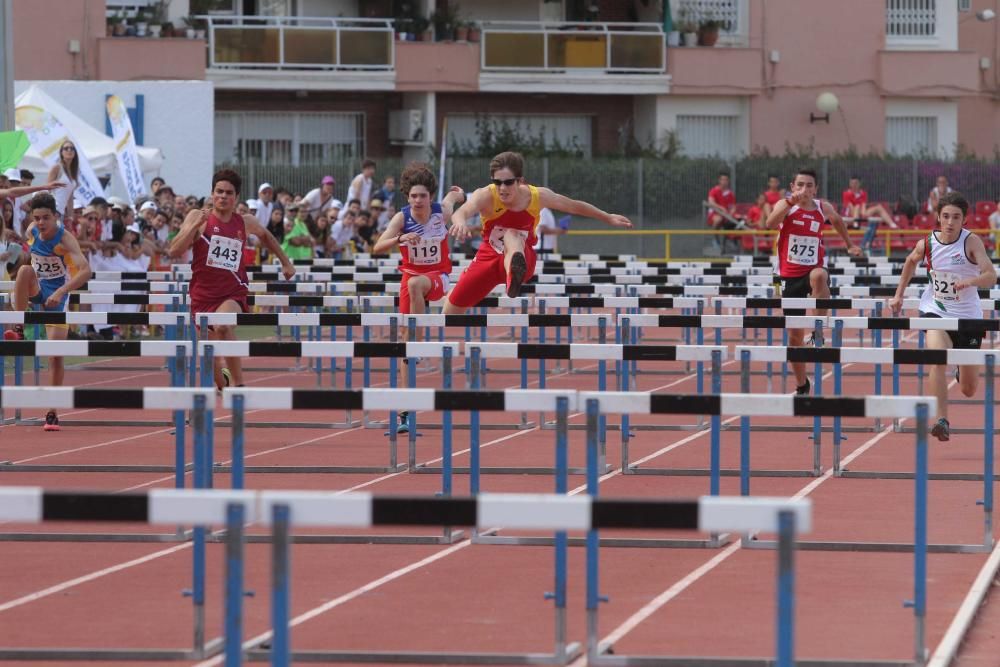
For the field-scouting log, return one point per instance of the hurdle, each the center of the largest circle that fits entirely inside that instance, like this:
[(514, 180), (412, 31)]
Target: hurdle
[(282, 509), (177, 399), (918, 407)]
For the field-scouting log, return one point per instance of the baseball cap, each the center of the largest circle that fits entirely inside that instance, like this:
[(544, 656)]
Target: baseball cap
[(147, 206), (292, 207), (264, 186), (134, 227), (337, 204), (375, 203), (328, 180), (13, 174)]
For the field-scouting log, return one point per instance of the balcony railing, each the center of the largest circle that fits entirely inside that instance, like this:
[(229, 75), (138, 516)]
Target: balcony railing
[(911, 19), (297, 42), (562, 47)]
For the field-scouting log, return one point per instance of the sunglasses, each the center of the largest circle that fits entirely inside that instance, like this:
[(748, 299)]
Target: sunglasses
[(68, 148), (508, 181)]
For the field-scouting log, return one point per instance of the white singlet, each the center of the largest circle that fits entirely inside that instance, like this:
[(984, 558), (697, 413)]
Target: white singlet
[(948, 264)]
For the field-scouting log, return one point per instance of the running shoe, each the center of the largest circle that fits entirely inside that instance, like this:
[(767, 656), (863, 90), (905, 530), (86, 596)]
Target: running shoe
[(803, 389), (942, 430), (16, 332), (227, 379), (404, 423), (518, 268), (51, 421)]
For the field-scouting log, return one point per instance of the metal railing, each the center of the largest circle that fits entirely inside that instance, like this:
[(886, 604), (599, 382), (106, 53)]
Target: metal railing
[(300, 42), (727, 12), (560, 47), (911, 19)]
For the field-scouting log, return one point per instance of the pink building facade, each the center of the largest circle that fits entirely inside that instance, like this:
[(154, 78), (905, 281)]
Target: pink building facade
[(910, 76)]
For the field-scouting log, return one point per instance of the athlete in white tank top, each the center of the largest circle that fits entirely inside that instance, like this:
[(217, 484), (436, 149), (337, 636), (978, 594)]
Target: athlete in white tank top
[(949, 265), (958, 266)]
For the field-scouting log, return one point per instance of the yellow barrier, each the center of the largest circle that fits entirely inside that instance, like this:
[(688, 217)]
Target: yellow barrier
[(886, 235)]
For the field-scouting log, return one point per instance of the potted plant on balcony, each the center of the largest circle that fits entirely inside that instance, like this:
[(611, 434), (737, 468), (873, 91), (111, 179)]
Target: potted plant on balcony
[(462, 31), (687, 27), (445, 20), (708, 31), (116, 25), (422, 28), (474, 31)]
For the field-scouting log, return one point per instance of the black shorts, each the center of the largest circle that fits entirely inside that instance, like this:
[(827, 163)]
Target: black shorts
[(961, 340), (798, 287)]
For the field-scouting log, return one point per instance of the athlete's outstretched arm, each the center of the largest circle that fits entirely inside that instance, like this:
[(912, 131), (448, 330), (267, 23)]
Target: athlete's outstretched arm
[(390, 237), (253, 226), (987, 277), (81, 276), (549, 199), (193, 225), (838, 224), (479, 202), (23, 190), (778, 214)]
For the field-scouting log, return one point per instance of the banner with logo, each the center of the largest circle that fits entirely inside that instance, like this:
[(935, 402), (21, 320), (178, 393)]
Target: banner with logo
[(47, 135), (128, 158)]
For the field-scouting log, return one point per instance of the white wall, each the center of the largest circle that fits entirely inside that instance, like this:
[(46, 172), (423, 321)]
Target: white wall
[(179, 119), (668, 107), (945, 112)]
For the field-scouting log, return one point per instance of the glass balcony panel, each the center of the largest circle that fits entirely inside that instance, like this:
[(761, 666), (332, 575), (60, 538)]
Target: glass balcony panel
[(512, 49), (305, 46), (581, 50), (236, 45), (637, 51), (366, 47)]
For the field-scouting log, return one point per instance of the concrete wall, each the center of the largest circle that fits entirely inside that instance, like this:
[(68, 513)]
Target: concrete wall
[(177, 120)]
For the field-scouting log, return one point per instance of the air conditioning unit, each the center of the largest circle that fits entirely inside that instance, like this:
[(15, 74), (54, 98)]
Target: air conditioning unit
[(406, 126)]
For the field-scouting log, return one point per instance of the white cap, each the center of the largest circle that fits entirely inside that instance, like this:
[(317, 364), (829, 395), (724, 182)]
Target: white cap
[(264, 186), (337, 204), (147, 206), (134, 227), (13, 174)]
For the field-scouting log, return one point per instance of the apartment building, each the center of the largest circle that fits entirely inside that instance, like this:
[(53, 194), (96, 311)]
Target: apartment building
[(304, 81)]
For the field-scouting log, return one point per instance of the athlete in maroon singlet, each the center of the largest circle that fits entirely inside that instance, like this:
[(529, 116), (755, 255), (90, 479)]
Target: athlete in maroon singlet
[(218, 277), (800, 253)]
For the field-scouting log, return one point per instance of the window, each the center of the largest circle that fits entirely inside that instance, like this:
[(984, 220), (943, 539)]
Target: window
[(571, 133), (911, 18), (709, 136), (725, 11), (911, 135), (288, 138)]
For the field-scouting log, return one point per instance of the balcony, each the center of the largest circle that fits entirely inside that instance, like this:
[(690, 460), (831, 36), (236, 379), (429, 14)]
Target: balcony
[(715, 71), (573, 57), (132, 58), (290, 52), (929, 73)]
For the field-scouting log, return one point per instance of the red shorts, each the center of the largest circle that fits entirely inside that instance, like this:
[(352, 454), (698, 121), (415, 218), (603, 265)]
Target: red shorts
[(212, 306), (484, 273), (439, 285)]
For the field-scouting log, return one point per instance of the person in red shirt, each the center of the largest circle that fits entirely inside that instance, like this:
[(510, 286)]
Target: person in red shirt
[(772, 195), (801, 273), (755, 215), (217, 236), (855, 205), (509, 209), (721, 205)]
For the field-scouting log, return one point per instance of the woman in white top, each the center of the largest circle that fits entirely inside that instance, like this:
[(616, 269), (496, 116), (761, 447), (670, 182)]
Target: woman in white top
[(940, 190), (958, 267), (68, 173)]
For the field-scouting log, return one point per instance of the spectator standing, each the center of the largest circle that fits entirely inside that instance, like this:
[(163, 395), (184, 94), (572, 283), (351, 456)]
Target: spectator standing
[(547, 233), (319, 199), (940, 189), (772, 195), (265, 202), (67, 172), (298, 243), (361, 185)]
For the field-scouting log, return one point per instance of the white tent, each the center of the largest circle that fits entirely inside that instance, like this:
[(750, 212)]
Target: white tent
[(97, 146)]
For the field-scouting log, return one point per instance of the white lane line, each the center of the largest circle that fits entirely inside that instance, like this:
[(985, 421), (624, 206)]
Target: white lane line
[(945, 652), (692, 577), (58, 588)]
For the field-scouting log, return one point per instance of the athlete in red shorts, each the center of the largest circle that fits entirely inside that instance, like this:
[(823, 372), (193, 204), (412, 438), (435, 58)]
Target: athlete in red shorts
[(218, 275), (509, 208), (420, 230)]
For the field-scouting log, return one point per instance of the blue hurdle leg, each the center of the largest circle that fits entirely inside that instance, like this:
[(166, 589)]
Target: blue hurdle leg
[(234, 585), (280, 585)]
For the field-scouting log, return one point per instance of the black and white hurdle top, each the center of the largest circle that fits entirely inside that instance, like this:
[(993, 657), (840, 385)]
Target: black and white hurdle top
[(866, 355), (146, 398), (359, 509)]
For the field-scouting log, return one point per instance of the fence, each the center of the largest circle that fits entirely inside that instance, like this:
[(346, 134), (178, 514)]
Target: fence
[(668, 194)]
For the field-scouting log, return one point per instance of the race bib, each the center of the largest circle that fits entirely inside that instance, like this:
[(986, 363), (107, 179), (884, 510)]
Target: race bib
[(48, 268), (224, 253), (943, 284), (496, 238), (803, 250), (425, 251)]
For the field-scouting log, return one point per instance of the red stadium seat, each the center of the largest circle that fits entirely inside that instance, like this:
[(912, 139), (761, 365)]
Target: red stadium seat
[(901, 242), (923, 221), (981, 221), (985, 207)]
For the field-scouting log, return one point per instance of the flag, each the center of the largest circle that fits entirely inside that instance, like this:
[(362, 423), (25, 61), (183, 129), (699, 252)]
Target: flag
[(128, 159), (668, 19), (13, 146)]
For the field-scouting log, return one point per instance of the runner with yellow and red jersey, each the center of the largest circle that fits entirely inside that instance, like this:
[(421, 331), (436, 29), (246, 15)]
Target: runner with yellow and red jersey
[(509, 209)]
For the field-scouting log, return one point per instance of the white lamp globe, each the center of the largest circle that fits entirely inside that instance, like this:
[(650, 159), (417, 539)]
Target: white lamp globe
[(827, 102)]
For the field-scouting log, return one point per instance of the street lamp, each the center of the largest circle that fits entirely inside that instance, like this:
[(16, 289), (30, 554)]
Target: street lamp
[(827, 102)]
